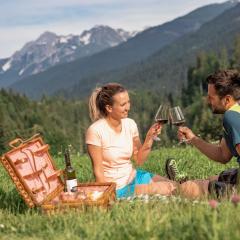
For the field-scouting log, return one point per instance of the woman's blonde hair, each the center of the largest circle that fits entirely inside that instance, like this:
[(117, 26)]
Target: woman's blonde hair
[(93, 110), (101, 97)]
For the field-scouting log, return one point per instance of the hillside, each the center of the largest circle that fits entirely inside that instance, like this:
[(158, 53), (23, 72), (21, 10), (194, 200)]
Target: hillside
[(166, 70), (138, 48)]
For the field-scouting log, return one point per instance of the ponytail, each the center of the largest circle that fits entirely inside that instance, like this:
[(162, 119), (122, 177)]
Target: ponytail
[(94, 112), (100, 98)]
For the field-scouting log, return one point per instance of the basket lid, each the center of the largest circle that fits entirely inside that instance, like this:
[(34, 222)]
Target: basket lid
[(32, 170)]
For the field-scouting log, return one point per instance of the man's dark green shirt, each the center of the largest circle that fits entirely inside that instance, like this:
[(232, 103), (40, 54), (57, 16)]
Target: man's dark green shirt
[(231, 125)]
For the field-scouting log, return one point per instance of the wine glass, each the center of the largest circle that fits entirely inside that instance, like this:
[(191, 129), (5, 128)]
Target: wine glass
[(177, 118), (161, 117)]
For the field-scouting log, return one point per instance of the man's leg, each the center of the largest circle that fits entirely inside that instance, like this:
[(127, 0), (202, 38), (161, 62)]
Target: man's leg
[(194, 188)]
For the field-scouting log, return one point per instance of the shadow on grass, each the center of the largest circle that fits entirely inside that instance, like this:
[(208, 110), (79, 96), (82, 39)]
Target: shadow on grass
[(12, 201)]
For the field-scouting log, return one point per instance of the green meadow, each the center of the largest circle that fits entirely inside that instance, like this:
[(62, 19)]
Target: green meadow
[(153, 218)]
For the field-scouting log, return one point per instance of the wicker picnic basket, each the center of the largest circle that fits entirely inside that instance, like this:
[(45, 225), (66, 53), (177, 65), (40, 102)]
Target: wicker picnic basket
[(40, 183)]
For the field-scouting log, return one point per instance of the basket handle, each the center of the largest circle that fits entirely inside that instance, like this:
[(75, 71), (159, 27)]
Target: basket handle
[(17, 141), (31, 138)]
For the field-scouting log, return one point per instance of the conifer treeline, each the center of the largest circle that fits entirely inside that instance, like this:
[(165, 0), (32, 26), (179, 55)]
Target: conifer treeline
[(64, 122), (61, 122)]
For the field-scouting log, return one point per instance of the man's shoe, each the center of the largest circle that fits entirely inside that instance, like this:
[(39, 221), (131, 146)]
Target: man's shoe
[(172, 171)]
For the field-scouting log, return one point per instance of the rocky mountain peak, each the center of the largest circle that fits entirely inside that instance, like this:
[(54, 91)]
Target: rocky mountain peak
[(50, 49)]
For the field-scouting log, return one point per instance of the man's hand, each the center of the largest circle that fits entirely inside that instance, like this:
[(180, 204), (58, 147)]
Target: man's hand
[(185, 133)]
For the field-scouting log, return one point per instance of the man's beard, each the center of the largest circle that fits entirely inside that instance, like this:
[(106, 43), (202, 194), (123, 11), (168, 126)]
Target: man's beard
[(217, 110)]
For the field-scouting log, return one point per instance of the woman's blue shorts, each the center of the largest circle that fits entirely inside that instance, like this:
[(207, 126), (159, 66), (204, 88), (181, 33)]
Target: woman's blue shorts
[(142, 177)]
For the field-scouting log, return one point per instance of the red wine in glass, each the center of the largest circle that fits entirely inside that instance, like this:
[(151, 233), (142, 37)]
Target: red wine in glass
[(179, 124), (161, 121)]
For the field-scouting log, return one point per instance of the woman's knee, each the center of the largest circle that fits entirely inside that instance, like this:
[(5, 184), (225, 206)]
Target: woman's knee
[(164, 188), (158, 178)]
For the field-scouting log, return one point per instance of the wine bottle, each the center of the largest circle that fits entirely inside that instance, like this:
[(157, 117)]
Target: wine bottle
[(69, 174)]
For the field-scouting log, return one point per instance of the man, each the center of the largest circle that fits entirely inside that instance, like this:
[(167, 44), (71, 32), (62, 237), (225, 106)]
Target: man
[(223, 97)]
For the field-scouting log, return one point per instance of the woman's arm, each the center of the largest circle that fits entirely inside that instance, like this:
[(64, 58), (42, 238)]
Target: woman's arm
[(95, 154), (140, 152)]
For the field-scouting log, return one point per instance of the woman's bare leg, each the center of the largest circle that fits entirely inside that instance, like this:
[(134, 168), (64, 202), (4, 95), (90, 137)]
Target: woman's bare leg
[(158, 178), (166, 188)]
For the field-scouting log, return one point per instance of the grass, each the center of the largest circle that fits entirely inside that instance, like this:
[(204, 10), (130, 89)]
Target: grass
[(173, 218)]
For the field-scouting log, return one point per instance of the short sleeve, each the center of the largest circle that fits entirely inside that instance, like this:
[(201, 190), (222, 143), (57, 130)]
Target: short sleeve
[(93, 137), (134, 129), (232, 125), (236, 137)]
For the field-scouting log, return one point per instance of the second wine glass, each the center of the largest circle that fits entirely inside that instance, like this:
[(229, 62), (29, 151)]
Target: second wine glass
[(177, 118)]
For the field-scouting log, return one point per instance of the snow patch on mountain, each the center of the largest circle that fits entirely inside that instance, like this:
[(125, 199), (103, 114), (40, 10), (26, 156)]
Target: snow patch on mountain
[(85, 39), (50, 49), (21, 72), (7, 65)]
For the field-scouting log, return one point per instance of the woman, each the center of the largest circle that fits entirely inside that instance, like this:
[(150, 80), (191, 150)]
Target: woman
[(113, 140)]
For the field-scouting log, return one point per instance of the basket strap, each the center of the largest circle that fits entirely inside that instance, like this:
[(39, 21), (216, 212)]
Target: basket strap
[(33, 167)]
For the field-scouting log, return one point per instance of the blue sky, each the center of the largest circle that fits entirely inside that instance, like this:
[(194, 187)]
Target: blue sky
[(24, 20)]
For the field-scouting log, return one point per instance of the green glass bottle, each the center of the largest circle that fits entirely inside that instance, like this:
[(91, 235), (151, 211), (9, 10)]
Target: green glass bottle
[(69, 174)]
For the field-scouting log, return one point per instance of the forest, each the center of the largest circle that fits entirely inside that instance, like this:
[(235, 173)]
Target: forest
[(62, 121)]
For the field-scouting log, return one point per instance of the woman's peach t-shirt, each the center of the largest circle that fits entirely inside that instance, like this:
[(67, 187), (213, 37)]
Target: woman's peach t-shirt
[(117, 149)]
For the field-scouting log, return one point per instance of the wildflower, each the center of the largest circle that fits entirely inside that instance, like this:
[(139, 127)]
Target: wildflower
[(2, 226), (146, 198), (13, 229), (213, 203), (235, 199)]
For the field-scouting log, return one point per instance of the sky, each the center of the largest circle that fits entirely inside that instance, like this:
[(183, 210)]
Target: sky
[(22, 21)]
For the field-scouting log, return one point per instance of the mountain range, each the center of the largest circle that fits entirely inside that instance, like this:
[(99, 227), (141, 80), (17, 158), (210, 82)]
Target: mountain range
[(156, 58), (166, 70), (50, 50)]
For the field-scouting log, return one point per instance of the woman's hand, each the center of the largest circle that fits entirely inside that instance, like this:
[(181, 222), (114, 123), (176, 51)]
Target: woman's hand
[(153, 132)]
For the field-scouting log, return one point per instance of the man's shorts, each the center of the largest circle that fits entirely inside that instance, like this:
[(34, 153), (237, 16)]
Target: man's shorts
[(142, 177)]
